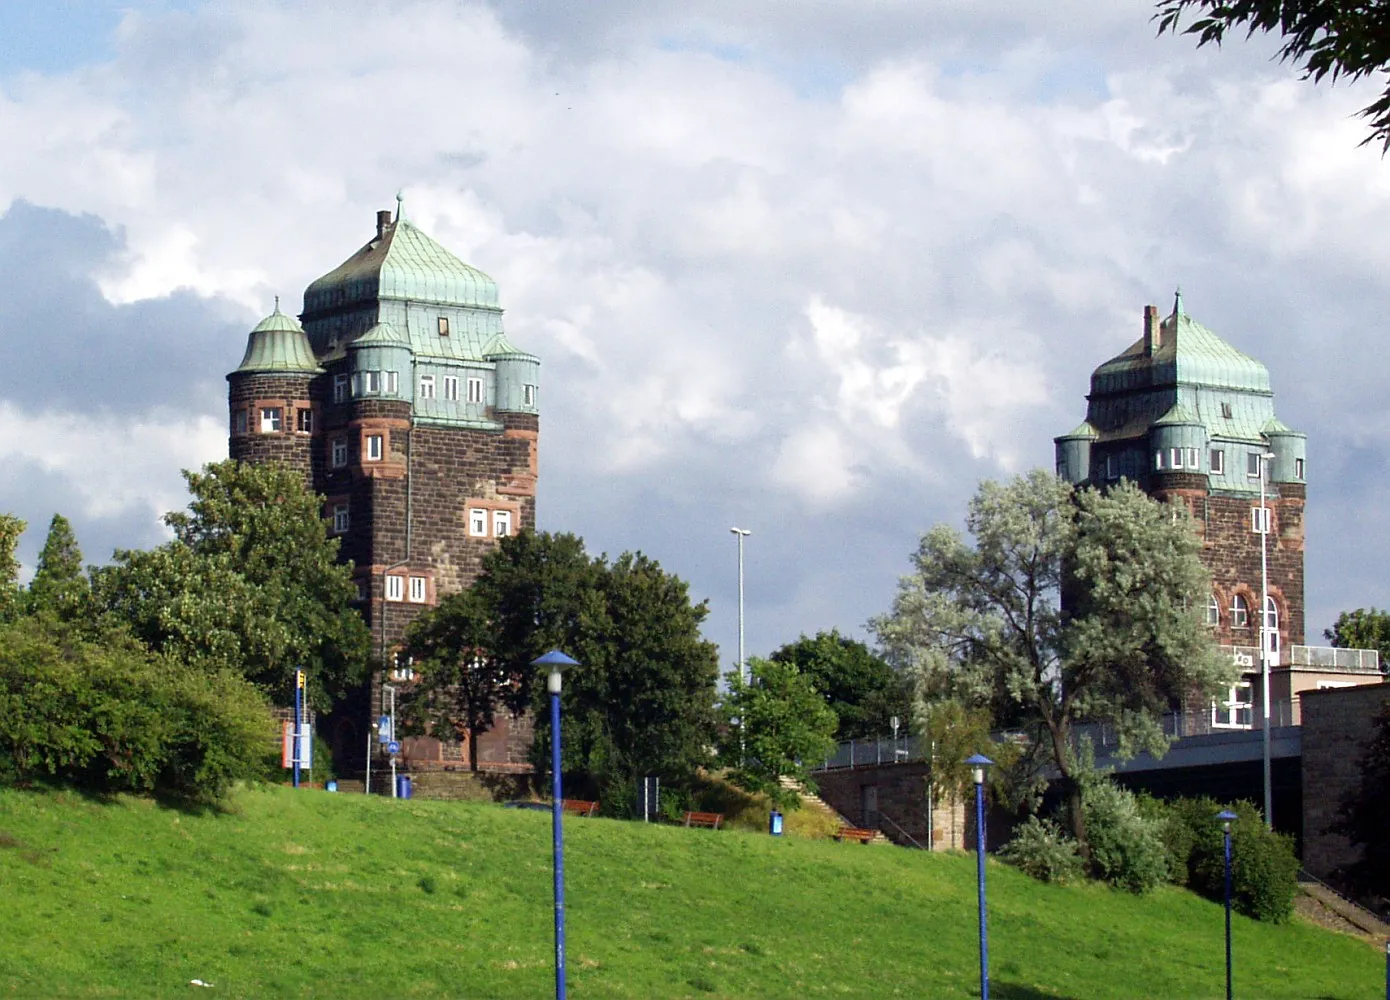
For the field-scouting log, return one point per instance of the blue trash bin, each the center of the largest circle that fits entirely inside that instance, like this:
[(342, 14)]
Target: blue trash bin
[(774, 823), (402, 786), (331, 786)]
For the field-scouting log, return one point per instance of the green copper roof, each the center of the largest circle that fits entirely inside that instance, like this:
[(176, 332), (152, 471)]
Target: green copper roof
[(1189, 354), (381, 335), (278, 344), (1084, 431), (402, 263), (1179, 415), (500, 347)]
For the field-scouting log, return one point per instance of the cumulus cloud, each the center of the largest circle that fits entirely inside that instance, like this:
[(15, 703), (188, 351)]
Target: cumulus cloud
[(784, 265)]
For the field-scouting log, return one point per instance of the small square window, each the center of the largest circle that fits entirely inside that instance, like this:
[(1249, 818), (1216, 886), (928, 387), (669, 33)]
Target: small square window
[(528, 395), (1191, 458), (501, 523), (1175, 458), (393, 385), (1226, 410), (340, 453), (417, 589), (426, 386), (1259, 520), (340, 388), (451, 388), (270, 420), (1298, 468), (444, 326), (341, 518), (475, 390), (306, 421), (1218, 462), (477, 522), (374, 447), (395, 587), (239, 422)]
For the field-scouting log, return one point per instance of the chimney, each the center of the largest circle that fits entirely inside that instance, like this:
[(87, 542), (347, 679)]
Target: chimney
[(383, 220), (1153, 331)]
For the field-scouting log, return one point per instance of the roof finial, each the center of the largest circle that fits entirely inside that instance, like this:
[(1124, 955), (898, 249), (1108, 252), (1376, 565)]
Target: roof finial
[(277, 303), (1177, 302), (400, 205)]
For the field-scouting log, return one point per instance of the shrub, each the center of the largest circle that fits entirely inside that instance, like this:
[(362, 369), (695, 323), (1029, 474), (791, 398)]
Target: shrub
[(1041, 849), (1126, 848), (1264, 870)]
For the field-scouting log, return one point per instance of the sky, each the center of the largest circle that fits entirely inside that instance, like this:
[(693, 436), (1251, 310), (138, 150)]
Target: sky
[(811, 269)]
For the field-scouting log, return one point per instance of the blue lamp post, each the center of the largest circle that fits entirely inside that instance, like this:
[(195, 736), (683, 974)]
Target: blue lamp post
[(553, 661), (1226, 817), (979, 762)]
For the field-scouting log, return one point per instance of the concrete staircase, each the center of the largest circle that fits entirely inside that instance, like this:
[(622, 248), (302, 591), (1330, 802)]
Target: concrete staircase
[(809, 800), (1353, 913)]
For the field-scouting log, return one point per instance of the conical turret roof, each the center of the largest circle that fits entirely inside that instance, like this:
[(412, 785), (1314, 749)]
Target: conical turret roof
[(278, 344)]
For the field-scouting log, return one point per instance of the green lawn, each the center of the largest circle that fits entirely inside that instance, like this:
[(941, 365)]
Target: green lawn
[(312, 894)]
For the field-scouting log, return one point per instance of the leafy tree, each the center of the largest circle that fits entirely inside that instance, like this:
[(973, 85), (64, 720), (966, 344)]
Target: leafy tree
[(954, 731), (864, 692), (776, 726), (1323, 38), (249, 583), (10, 529), (986, 624), (59, 586), (1364, 628), (1365, 816)]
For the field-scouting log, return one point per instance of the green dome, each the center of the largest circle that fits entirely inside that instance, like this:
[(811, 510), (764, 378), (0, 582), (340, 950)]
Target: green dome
[(278, 344), (1189, 354), (402, 263), (381, 335), (500, 347)]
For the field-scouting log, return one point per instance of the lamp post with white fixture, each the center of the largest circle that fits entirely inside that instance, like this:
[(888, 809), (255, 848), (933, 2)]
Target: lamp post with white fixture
[(741, 533), (1264, 520)]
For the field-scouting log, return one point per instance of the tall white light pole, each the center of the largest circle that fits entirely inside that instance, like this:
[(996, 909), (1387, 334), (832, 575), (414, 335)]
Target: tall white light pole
[(1264, 639), (741, 533)]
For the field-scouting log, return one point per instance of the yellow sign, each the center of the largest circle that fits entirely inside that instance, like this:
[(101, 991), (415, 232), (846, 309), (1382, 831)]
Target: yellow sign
[(299, 678)]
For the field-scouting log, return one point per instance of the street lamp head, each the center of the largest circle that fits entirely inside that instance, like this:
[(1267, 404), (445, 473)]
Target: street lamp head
[(979, 762), (554, 661), (744, 532), (1226, 817)]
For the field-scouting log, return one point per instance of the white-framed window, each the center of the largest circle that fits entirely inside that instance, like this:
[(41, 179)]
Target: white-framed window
[(403, 667), (306, 421), (477, 522), (426, 386), (1158, 460), (374, 447), (417, 589), (339, 456), (475, 390), (395, 587), (1271, 627), (451, 388), (1175, 458), (1192, 460), (1218, 462), (340, 388), (1213, 610), (239, 422), (1252, 464), (1112, 467), (1259, 520), (270, 420), (528, 395), (393, 383), (1298, 468), (444, 326), (1240, 612), (342, 519), (501, 523), (1236, 710), (372, 382)]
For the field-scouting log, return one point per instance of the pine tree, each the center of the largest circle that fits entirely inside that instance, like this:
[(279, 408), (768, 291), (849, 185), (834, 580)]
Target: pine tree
[(59, 586)]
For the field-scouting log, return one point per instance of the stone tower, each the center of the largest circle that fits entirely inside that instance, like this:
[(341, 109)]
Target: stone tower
[(417, 420), (1185, 415)]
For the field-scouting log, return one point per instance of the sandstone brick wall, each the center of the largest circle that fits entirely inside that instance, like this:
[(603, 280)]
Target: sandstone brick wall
[(900, 791), (1337, 730), (246, 394)]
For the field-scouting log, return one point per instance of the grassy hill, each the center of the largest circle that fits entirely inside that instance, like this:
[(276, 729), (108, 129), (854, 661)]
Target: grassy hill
[(318, 895)]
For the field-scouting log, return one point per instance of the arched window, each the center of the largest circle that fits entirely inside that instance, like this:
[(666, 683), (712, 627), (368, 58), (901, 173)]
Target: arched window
[(1240, 612), (1213, 610), (1271, 625)]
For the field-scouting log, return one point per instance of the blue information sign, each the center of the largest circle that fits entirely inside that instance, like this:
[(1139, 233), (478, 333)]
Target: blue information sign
[(383, 729), (393, 747)]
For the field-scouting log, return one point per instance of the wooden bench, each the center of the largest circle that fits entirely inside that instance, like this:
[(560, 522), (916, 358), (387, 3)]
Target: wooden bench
[(578, 807), (711, 820), (855, 833)]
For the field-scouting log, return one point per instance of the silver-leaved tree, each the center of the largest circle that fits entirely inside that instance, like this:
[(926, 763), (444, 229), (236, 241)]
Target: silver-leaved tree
[(1066, 606)]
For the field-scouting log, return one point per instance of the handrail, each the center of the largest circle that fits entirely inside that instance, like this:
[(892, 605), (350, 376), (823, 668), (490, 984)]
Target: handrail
[(1304, 875), (897, 826)]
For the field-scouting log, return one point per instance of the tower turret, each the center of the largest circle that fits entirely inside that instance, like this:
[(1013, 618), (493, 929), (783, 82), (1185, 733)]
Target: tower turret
[(270, 396)]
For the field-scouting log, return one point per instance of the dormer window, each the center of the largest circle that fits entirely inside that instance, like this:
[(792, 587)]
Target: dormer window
[(1252, 464), (426, 386), (1175, 458), (475, 390), (451, 388), (1192, 460), (444, 326), (1218, 462), (1226, 410), (371, 382)]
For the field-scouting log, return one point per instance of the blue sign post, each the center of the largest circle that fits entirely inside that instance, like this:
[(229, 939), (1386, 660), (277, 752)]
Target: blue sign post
[(298, 741), (393, 747), (979, 762), (383, 730)]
